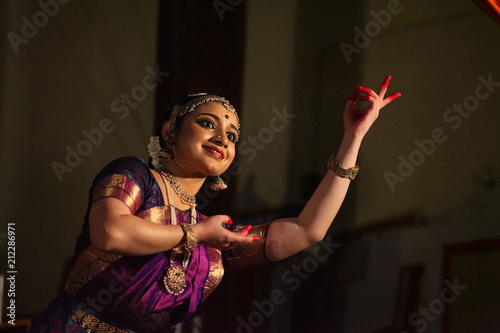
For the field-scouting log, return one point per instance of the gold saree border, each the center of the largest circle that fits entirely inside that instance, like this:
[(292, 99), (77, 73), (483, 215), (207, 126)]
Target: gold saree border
[(92, 324), (215, 272), (120, 187), (87, 266)]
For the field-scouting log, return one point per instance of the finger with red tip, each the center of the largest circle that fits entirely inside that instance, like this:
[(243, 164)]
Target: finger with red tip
[(255, 238), (385, 85), (245, 230), (393, 97), (229, 221), (368, 91), (389, 99)]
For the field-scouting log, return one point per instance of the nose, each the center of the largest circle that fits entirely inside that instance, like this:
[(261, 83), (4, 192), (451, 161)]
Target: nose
[(221, 140)]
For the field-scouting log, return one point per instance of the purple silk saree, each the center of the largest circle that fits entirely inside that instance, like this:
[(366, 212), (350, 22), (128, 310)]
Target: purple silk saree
[(112, 293)]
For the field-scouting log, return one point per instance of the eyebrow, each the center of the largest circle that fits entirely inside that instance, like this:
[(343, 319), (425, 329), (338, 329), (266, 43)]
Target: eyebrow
[(217, 118)]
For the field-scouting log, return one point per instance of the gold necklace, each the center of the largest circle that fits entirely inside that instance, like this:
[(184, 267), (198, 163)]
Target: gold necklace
[(185, 198), (174, 277)]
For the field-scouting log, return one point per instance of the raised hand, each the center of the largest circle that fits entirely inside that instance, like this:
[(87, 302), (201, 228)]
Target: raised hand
[(357, 121)]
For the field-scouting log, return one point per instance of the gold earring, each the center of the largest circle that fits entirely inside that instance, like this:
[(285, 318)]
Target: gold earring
[(218, 184)]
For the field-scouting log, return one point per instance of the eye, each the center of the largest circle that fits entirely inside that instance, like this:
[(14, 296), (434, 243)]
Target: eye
[(232, 137), (206, 123)]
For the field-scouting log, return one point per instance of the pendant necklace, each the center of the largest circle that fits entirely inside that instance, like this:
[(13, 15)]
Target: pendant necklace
[(174, 278)]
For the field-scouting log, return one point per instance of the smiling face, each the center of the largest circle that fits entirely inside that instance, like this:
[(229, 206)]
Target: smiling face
[(204, 145)]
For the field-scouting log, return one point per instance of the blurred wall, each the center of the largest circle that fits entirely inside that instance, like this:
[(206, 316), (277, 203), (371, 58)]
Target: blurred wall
[(441, 56), (438, 53), (77, 84), (427, 151), (264, 147), (438, 141)]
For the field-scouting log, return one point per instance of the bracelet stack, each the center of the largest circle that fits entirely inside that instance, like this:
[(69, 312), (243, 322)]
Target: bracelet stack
[(336, 166)]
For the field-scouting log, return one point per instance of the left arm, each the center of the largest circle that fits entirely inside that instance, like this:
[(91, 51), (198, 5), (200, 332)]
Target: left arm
[(288, 236)]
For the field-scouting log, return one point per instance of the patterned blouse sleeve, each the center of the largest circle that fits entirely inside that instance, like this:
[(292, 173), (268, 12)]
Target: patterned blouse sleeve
[(250, 255), (124, 179)]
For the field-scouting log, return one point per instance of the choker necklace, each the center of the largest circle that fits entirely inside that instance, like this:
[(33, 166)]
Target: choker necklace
[(185, 198)]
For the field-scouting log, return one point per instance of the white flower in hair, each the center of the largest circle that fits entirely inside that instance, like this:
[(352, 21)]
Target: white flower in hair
[(158, 155)]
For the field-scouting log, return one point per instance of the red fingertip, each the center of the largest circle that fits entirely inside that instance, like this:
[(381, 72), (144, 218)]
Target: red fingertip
[(394, 96), (247, 228), (229, 221), (255, 238), (385, 84)]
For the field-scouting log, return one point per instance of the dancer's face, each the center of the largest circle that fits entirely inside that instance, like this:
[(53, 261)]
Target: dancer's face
[(204, 145)]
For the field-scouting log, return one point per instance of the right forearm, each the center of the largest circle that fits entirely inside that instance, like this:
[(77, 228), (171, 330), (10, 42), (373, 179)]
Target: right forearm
[(114, 229), (119, 232), (136, 236)]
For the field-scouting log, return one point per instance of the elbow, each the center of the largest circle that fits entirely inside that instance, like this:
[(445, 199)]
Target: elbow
[(314, 237), (310, 234), (107, 240)]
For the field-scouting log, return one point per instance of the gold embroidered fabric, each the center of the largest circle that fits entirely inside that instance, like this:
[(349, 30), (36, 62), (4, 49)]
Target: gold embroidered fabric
[(87, 266), (92, 324), (158, 214), (245, 256), (120, 187), (215, 273)]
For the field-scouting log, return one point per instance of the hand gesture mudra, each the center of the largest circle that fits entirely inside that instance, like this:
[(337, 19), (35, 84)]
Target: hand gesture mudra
[(357, 121), (210, 232)]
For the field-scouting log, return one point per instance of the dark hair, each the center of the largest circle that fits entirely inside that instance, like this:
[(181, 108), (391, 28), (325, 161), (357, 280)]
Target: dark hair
[(168, 112)]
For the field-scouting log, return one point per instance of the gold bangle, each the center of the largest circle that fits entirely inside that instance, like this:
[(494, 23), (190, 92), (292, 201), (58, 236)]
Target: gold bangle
[(190, 240), (336, 166)]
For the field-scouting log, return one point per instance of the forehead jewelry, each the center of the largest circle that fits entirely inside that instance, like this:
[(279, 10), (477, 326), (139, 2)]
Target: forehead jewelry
[(201, 98)]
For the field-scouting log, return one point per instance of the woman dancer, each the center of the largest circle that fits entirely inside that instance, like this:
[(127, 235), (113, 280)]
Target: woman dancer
[(146, 258)]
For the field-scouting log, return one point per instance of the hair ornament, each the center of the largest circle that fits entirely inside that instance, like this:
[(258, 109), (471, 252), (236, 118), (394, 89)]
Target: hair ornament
[(180, 110)]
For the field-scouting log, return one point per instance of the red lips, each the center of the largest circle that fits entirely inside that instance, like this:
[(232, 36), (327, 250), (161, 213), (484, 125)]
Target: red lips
[(215, 151)]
